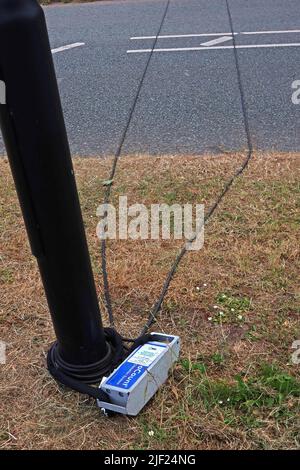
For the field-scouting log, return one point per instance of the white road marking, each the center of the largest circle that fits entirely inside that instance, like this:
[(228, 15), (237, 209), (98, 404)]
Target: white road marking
[(216, 41), (272, 32), (170, 36), (182, 49), (67, 47)]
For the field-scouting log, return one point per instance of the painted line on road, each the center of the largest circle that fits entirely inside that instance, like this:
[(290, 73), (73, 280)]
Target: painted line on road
[(67, 47), (272, 32), (174, 36), (216, 41), (182, 49)]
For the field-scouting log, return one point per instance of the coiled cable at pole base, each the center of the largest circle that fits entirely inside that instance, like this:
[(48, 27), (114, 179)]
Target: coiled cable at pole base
[(81, 378)]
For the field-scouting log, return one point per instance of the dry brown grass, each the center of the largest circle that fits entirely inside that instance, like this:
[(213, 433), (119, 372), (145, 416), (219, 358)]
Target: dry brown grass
[(251, 254)]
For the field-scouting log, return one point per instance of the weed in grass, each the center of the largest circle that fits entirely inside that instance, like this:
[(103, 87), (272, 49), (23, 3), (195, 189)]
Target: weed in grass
[(251, 334), (153, 434), (218, 358), (6, 275), (171, 198), (230, 309), (189, 366)]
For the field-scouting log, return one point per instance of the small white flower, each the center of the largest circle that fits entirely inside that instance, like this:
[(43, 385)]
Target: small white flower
[(151, 433), (228, 399), (220, 402), (232, 309), (204, 285), (240, 317), (215, 306), (223, 296), (209, 319), (197, 288), (221, 314)]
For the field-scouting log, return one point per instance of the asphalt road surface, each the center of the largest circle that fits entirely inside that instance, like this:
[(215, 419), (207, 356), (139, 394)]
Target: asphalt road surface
[(190, 101)]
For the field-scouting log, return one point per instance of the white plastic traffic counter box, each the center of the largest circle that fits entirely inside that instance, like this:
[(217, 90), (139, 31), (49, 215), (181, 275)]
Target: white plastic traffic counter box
[(138, 378)]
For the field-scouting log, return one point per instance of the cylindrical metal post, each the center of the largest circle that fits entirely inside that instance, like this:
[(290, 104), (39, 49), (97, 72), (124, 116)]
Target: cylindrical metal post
[(34, 133)]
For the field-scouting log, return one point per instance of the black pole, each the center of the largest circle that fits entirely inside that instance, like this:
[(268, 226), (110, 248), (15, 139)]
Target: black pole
[(34, 132)]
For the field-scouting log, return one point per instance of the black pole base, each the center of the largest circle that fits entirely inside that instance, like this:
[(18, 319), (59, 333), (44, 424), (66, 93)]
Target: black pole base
[(89, 374), (78, 377)]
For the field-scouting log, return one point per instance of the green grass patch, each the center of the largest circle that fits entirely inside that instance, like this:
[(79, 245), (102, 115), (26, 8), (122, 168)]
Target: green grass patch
[(230, 308), (270, 391)]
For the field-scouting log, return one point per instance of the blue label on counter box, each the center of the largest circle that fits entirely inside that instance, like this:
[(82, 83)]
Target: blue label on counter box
[(136, 365)]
